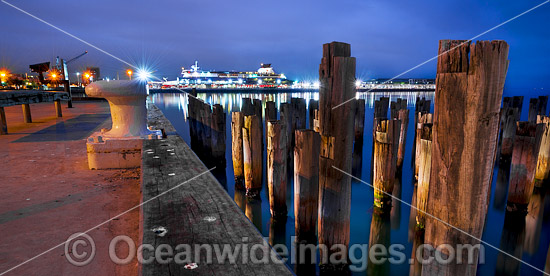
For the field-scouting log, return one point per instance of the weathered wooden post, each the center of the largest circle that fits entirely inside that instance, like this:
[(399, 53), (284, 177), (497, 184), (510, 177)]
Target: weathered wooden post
[(524, 162), (424, 167), (58, 111), (206, 126), (299, 113), (337, 78), (252, 155), (386, 143), (276, 168), (270, 115), (422, 107), (543, 160), (306, 184), (27, 118), (508, 130), (312, 106), (247, 108), (3, 122), (359, 126), (237, 124), (286, 118), (470, 81), (400, 112), (537, 106), (501, 189), (425, 119), (257, 106), (218, 136)]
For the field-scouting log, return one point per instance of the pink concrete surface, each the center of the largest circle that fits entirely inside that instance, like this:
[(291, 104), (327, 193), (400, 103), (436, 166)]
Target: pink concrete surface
[(48, 193)]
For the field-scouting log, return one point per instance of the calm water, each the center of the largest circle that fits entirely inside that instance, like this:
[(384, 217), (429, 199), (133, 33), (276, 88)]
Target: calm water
[(527, 238)]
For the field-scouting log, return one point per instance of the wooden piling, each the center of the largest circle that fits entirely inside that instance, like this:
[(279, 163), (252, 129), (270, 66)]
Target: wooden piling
[(218, 136), (543, 158), (424, 120), (337, 78), (359, 126), (277, 168), (537, 106), (3, 122), (424, 167), (299, 113), (270, 115), (385, 161), (252, 155), (470, 81), (524, 162), (403, 116), (312, 106), (270, 112), (58, 111), (306, 184), (508, 130), (286, 118), (237, 124), (27, 118), (247, 108)]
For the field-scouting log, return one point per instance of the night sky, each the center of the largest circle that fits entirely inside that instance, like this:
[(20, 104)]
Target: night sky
[(387, 37)]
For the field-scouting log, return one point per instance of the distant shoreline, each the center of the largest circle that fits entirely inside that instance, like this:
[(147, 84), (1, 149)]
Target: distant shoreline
[(276, 90)]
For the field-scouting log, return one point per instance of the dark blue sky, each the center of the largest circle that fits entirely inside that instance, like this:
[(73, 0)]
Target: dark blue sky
[(387, 37)]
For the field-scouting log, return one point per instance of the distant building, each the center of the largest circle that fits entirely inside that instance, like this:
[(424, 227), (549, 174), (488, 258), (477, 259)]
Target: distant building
[(91, 74)]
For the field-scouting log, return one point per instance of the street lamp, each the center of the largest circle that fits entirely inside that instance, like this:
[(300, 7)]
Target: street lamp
[(78, 78), (129, 72)]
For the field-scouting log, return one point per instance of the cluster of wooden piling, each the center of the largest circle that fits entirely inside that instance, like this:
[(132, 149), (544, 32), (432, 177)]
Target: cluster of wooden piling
[(207, 131)]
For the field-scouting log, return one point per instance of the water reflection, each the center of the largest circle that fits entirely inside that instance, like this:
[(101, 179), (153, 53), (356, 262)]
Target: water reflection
[(380, 237), (511, 242)]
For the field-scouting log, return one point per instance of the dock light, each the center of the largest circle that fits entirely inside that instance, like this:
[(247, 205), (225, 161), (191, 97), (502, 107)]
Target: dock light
[(87, 75), (142, 74), (129, 73), (54, 76), (358, 83), (3, 75)]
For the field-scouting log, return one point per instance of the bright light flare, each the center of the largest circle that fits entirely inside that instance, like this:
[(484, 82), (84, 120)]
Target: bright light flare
[(143, 75)]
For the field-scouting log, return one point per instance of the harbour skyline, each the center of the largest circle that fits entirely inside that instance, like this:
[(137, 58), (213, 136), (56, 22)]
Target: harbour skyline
[(277, 33)]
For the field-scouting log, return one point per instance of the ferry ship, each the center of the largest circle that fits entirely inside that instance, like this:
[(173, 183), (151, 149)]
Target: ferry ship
[(194, 77)]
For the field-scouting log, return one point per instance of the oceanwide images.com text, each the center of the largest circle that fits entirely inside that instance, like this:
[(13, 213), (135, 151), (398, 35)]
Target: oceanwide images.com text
[(80, 250)]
